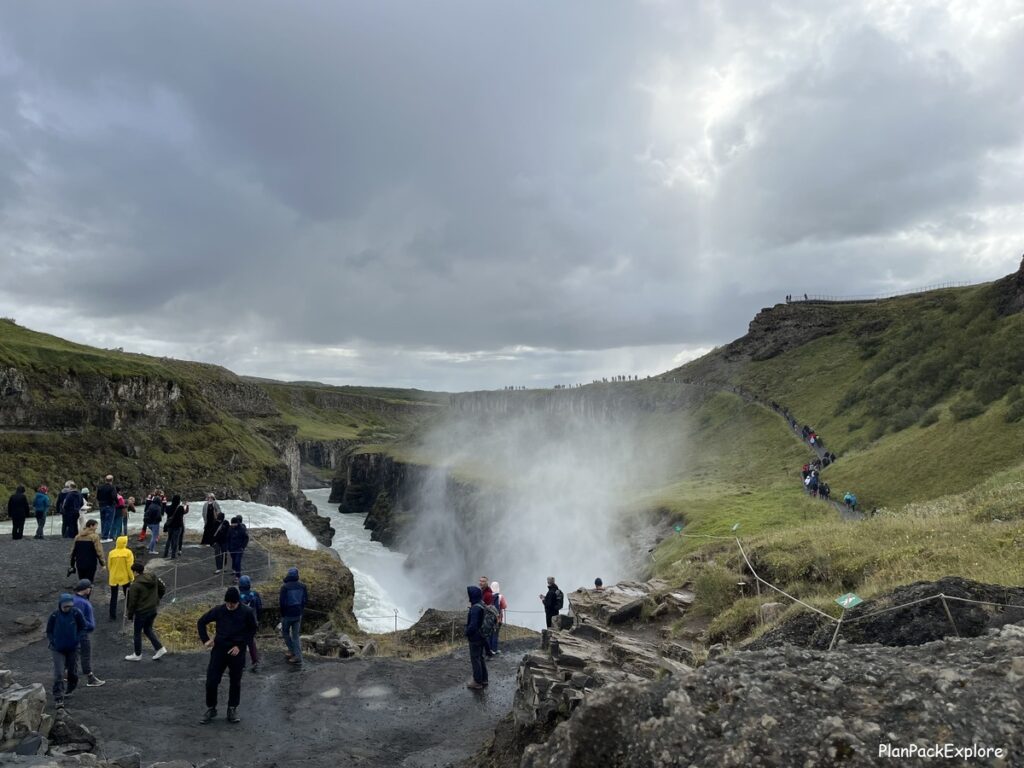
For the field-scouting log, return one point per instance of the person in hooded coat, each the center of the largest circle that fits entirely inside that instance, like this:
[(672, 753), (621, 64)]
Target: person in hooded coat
[(236, 624), (292, 603), (41, 505), (175, 527), (211, 521), (238, 540), (17, 510), (64, 630), (144, 597), (87, 552), (69, 505), (477, 644), (119, 572)]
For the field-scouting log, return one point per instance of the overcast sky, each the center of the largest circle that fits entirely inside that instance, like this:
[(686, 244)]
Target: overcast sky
[(466, 195)]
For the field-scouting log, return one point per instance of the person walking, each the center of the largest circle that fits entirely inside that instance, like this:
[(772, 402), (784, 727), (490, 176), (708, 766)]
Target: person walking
[(175, 527), (251, 599), (292, 602), (106, 498), (17, 510), (152, 515), (87, 553), (238, 540), (119, 572), (119, 525), (553, 601), (64, 630), (69, 504), (144, 597), (499, 602), (82, 592), (236, 625), (41, 505), (211, 520), (477, 644)]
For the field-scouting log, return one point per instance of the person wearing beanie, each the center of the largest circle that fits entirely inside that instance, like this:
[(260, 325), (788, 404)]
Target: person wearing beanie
[(82, 592), (251, 598), (119, 572), (292, 601), (236, 626), (41, 505), (64, 629), (144, 597)]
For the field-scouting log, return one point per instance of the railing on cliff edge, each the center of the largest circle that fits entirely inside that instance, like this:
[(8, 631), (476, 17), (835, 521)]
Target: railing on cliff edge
[(817, 298)]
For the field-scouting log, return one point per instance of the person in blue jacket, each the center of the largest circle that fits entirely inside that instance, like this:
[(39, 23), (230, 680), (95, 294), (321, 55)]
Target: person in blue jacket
[(83, 591), (251, 598), (41, 505), (64, 631), (477, 644), (292, 602)]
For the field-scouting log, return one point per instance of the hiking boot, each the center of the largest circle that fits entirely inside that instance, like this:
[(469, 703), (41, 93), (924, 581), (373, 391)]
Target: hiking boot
[(160, 653), (233, 715), (94, 682), (295, 660), (208, 716), (133, 657), (474, 686)]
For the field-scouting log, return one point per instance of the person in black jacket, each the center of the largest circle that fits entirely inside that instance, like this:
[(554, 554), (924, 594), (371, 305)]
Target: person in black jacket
[(236, 626), (552, 601), (69, 504), (238, 540), (175, 527), (17, 510), (220, 541), (153, 513), (477, 644), (106, 498)]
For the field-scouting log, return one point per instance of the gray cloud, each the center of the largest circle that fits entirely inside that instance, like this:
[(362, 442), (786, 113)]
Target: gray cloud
[(433, 185)]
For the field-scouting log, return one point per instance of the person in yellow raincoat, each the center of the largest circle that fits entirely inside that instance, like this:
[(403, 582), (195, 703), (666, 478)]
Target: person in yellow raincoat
[(119, 566)]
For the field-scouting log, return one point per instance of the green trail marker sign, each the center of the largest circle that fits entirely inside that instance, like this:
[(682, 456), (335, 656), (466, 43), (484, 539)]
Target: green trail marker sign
[(679, 529), (848, 600)]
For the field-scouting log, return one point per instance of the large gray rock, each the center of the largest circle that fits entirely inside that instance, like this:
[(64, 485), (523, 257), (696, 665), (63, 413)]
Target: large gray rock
[(789, 706), (21, 712)]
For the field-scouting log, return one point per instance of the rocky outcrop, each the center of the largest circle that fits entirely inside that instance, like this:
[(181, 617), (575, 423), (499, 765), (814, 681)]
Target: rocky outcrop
[(973, 609), (324, 454), (1009, 292), (789, 706)]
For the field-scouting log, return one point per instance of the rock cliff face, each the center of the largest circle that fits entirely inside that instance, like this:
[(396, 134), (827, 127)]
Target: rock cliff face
[(1009, 292), (787, 706), (324, 454), (596, 401)]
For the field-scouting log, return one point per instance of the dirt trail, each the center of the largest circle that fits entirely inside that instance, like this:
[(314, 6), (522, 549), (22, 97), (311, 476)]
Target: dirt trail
[(365, 712)]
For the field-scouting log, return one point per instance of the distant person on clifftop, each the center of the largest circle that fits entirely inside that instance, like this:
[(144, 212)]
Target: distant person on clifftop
[(144, 597), (175, 527), (82, 592), (87, 553), (553, 601), (17, 510), (598, 585), (477, 644), (238, 540), (211, 510), (119, 572), (64, 629), (251, 599), (292, 603), (236, 625), (106, 498), (41, 505)]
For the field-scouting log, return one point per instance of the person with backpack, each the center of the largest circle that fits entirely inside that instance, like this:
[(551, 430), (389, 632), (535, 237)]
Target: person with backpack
[(292, 602), (106, 497), (119, 572), (41, 505), (553, 601), (175, 527), (64, 630), (69, 504), (144, 597), (252, 600), (87, 553), (236, 625), (477, 640), (82, 592), (17, 510), (500, 604), (211, 519), (238, 540), (152, 515)]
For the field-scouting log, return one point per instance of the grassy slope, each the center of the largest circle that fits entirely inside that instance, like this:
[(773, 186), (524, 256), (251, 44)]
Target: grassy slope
[(952, 492)]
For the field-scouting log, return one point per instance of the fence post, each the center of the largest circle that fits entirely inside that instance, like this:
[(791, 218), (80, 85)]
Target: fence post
[(948, 614), (396, 620), (836, 633)]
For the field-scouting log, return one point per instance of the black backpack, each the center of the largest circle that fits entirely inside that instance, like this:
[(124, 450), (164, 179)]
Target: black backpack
[(559, 599), (488, 622)]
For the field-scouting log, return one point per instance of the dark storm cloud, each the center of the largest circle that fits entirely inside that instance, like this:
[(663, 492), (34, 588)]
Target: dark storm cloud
[(452, 188)]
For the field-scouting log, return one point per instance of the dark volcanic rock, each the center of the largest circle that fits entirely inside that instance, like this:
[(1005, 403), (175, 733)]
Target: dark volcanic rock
[(920, 623), (790, 706)]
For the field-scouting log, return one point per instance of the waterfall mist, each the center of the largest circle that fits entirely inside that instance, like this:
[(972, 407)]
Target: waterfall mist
[(534, 494)]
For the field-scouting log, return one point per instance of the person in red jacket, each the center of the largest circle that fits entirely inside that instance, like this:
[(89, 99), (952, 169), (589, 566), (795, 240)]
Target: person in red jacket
[(485, 588)]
